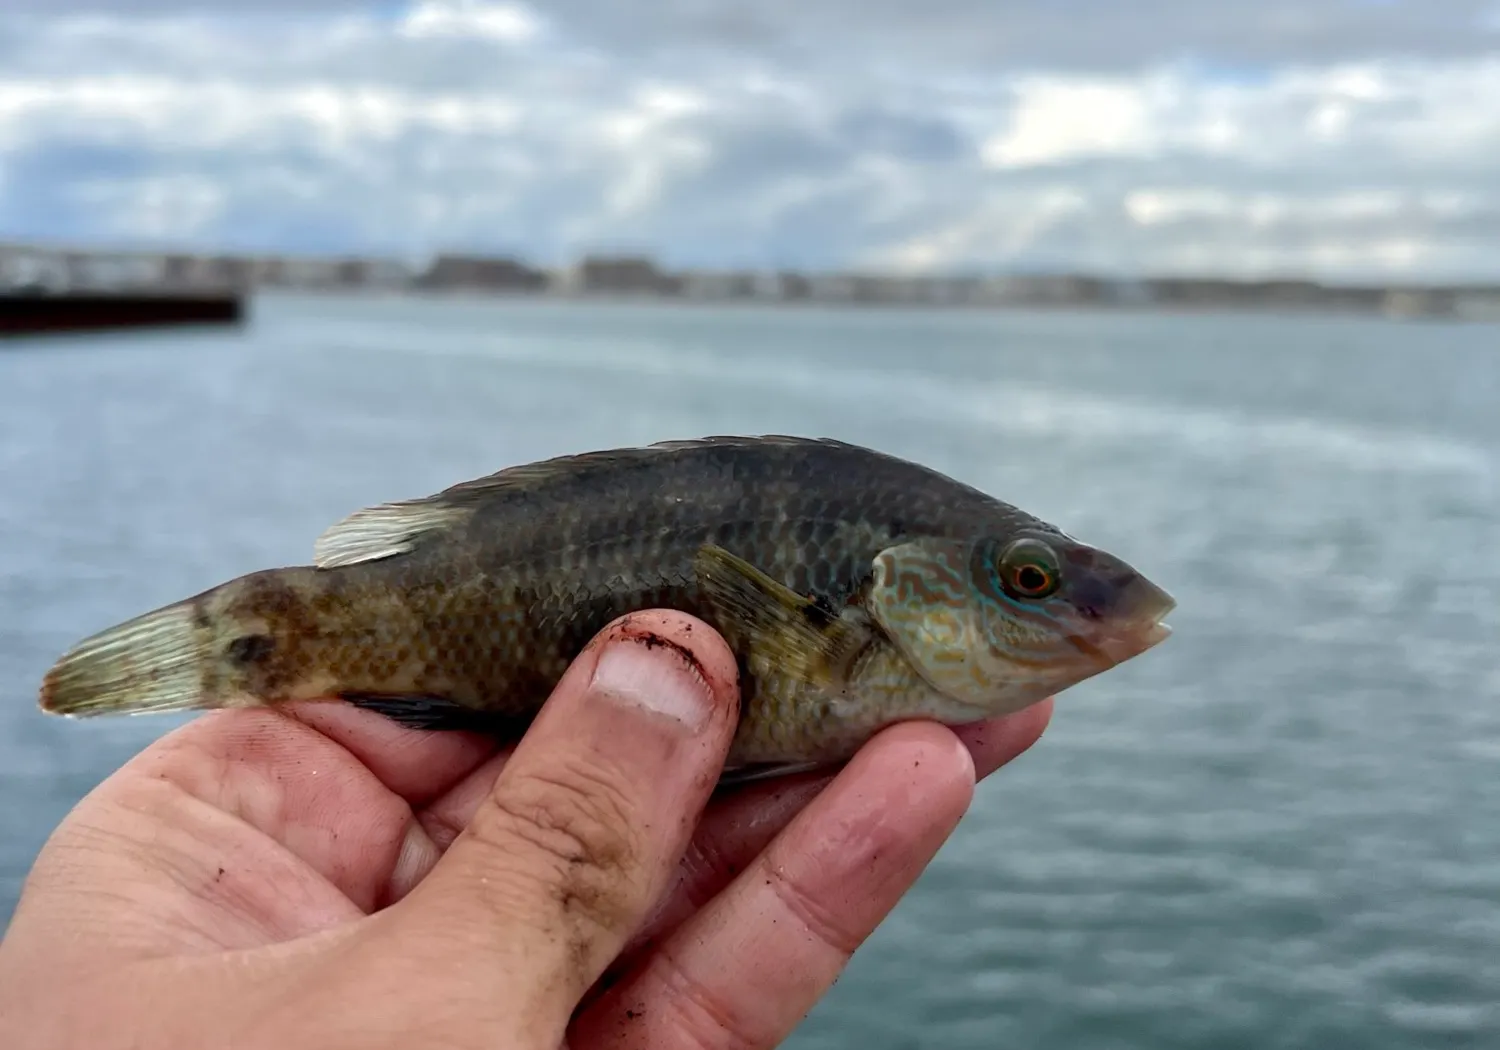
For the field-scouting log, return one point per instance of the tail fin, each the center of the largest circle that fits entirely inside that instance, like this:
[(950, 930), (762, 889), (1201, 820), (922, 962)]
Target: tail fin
[(151, 663)]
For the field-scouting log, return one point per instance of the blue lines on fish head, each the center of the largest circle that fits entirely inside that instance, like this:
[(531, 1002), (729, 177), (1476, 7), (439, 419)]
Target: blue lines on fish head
[(998, 622)]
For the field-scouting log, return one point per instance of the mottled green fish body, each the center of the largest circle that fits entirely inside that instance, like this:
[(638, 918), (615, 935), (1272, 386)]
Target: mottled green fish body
[(857, 590)]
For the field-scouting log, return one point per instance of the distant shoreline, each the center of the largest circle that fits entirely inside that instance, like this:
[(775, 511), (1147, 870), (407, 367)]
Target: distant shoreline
[(39, 270), (459, 295)]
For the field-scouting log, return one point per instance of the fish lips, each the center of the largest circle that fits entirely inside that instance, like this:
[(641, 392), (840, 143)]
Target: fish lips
[(1130, 641), (1117, 649)]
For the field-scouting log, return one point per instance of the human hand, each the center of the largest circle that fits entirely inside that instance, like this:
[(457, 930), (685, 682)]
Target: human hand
[(321, 877)]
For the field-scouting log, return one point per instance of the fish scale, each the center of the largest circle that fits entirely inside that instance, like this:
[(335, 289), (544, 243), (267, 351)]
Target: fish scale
[(856, 589)]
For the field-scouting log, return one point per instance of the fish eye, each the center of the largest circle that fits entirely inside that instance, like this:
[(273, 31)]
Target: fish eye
[(1029, 569)]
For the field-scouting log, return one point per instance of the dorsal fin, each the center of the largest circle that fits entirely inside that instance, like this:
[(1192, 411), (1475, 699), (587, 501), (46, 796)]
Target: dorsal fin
[(528, 476), (383, 531), (389, 529)]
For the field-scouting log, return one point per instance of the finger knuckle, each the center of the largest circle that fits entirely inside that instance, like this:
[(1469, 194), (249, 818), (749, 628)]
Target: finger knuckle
[(702, 1015), (579, 825), (821, 920)]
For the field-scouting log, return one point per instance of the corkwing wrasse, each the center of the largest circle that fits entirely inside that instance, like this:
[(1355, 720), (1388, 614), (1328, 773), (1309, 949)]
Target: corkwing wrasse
[(857, 590)]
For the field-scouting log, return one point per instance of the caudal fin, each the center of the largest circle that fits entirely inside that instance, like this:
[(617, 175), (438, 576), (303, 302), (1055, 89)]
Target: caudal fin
[(151, 663)]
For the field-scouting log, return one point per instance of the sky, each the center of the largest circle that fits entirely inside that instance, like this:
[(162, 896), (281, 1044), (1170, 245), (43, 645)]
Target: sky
[(1335, 139)]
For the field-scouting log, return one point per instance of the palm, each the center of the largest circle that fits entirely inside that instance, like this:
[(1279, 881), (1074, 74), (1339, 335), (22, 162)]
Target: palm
[(251, 829)]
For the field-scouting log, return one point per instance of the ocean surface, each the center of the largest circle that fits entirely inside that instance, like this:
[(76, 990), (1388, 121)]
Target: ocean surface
[(1280, 830)]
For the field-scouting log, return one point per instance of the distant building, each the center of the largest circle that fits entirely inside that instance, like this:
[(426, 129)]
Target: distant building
[(308, 273), (373, 273), (60, 270), (480, 273), (1477, 304), (29, 269), (713, 285), (105, 270), (831, 287), (1417, 302), (621, 275), (202, 272), (794, 285), (952, 291), (314, 273), (738, 284)]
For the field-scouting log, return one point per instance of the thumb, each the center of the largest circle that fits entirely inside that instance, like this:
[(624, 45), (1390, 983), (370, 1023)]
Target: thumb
[(588, 819)]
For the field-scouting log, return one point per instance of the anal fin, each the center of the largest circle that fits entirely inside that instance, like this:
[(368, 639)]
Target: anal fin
[(766, 771), (436, 713)]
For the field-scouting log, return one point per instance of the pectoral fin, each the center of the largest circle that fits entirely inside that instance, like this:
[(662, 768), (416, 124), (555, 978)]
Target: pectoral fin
[(792, 634)]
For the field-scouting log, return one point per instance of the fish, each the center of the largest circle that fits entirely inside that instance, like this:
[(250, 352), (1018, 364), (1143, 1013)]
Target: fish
[(857, 589)]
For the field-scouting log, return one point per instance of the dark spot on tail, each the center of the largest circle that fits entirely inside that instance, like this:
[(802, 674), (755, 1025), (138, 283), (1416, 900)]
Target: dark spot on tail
[(250, 648)]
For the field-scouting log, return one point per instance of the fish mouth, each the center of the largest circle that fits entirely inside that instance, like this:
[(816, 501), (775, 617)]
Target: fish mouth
[(1144, 633), (1118, 648)]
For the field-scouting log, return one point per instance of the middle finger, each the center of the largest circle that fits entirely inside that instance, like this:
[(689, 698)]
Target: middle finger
[(735, 828)]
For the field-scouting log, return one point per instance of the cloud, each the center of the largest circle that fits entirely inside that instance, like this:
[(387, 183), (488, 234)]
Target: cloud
[(462, 19), (1337, 138), (979, 34)]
